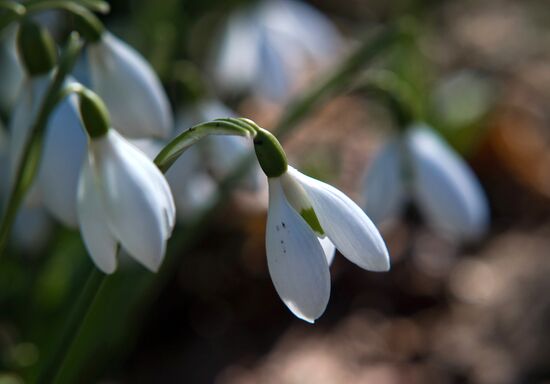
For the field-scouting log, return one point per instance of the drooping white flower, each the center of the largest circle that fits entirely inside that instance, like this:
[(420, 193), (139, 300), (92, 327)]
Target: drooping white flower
[(420, 166), (123, 198), (264, 48), (132, 92), (307, 219)]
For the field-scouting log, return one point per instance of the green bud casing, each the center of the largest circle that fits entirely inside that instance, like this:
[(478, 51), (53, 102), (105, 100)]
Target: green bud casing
[(270, 153), (94, 114), (36, 48)]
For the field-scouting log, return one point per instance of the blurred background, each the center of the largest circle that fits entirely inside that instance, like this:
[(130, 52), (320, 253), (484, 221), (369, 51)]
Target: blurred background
[(479, 73)]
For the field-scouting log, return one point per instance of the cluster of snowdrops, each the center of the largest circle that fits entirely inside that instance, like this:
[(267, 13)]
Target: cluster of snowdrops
[(92, 174)]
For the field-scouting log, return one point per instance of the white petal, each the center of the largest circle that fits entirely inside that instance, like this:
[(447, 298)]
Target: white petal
[(137, 197), (384, 191), (328, 248), (132, 92), (446, 190), (100, 243), (347, 226), (64, 150), (295, 258)]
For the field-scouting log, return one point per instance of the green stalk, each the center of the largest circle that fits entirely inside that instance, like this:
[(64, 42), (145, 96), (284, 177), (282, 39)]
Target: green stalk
[(30, 159), (11, 11), (174, 149), (72, 328), (340, 78)]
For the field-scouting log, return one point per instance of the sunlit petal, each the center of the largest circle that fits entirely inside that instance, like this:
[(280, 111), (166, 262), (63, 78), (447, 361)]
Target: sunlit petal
[(137, 198), (132, 92), (347, 226), (328, 248), (297, 263)]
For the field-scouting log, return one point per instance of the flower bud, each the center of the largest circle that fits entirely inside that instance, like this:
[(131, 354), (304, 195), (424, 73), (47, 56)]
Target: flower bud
[(36, 48), (270, 154), (94, 114)]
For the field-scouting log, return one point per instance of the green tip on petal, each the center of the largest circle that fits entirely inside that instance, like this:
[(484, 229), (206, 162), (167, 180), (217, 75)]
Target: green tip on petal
[(311, 219)]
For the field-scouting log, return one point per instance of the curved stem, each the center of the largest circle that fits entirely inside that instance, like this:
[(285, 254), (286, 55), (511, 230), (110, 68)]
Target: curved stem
[(89, 25), (173, 150), (12, 12), (393, 92), (93, 5), (28, 165), (338, 79)]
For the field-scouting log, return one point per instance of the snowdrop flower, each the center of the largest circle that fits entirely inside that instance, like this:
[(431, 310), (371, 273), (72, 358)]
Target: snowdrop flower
[(306, 220), (122, 196), (134, 95), (265, 47), (420, 166)]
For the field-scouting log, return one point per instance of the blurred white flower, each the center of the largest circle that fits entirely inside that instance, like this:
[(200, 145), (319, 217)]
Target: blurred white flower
[(302, 211), (20, 126), (32, 226), (131, 90), (123, 198), (11, 72), (266, 47), (419, 165)]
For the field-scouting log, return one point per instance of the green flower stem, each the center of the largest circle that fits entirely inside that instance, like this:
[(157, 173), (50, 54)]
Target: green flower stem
[(340, 78), (177, 146), (93, 5), (88, 23), (28, 166), (393, 92), (10, 12), (76, 319)]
